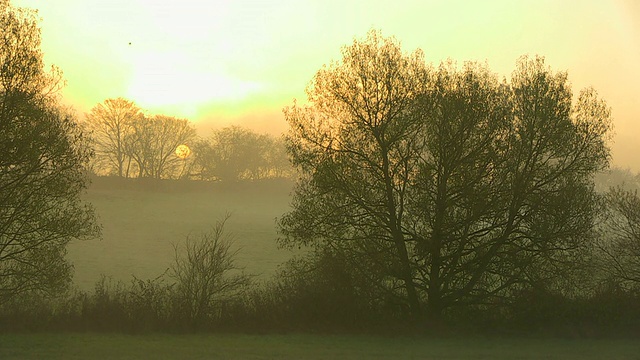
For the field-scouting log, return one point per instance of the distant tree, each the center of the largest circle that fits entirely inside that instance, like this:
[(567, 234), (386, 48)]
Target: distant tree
[(276, 159), (234, 153), (41, 168), (110, 123), (620, 237), (152, 144), (206, 275), (455, 188), (617, 177)]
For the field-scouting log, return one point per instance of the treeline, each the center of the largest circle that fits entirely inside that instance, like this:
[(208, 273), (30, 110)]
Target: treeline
[(235, 153), (127, 143)]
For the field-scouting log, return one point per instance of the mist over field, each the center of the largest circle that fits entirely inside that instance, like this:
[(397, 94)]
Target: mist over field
[(143, 219)]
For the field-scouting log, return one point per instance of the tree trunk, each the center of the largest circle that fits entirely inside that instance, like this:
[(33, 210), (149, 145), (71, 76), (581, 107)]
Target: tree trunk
[(399, 241), (434, 292), (407, 277), (434, 302)]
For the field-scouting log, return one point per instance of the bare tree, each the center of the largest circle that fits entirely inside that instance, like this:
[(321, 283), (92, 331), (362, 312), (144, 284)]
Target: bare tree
[(206, 273), (110, 123), (153, 142), (620, 237), (456, 188)]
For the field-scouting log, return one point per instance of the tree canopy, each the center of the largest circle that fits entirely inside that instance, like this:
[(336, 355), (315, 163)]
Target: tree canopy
[(110, 124), (129, 143), (235, 153), (450, 186), (152, 144), (42, 168)]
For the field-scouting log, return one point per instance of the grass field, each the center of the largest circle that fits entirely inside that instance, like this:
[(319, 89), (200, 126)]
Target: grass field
[(142, 221), (229, 346)]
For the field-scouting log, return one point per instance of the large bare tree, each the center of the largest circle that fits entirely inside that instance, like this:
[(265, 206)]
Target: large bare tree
[(358, 145), (152, 144), (110, 123), (450, 187)]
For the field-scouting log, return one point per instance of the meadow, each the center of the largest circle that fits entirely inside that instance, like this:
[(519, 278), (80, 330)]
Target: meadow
[(143, 220), (301, 346)]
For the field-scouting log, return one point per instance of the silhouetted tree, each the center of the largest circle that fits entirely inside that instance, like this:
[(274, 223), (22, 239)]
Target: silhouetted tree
[(358, 147), (41, 168), (276, 159), (620, 238), (110, 123), (459, 189), (452, 195), (505, 195), (206, 275), (152, 144), (235, 153)]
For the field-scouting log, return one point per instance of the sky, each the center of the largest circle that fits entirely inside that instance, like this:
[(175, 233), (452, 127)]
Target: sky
[(218, 63)]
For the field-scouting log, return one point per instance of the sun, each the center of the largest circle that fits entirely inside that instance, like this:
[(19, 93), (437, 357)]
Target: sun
[(183, 151)]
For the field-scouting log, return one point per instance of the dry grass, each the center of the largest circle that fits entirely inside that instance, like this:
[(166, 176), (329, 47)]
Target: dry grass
[(229, 346)]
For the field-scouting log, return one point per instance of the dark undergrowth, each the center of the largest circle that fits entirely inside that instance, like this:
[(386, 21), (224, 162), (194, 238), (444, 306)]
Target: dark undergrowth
[(321, 301)]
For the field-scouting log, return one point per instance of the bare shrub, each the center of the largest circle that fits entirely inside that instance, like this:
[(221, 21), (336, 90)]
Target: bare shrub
[(207, 278)]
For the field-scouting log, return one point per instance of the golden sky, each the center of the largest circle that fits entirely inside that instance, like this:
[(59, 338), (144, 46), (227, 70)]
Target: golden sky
[(242, 61)]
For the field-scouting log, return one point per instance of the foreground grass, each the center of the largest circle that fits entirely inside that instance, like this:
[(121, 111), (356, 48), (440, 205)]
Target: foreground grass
[(226, 346)]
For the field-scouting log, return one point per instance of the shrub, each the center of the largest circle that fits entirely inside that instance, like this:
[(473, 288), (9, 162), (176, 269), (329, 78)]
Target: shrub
[(207, 279)]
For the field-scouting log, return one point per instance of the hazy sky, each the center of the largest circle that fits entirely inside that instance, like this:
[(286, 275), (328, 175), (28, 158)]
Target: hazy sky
[(216, 62)]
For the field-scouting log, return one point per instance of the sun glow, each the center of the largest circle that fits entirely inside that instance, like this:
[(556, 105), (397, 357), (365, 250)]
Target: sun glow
[(165, 79)]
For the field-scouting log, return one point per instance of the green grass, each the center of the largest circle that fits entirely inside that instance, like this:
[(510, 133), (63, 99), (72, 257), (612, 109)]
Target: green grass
[(140, 226), (229, 346)]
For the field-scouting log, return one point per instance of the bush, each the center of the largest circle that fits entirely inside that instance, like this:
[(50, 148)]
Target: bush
[(207, 280), (319, 292)]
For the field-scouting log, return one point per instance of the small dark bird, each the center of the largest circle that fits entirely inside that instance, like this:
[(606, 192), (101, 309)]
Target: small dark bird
[(129, 44)]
